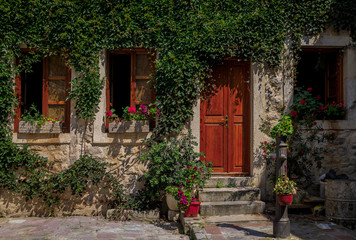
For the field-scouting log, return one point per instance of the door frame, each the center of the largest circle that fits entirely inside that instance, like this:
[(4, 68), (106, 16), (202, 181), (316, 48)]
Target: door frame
[(247, 119)]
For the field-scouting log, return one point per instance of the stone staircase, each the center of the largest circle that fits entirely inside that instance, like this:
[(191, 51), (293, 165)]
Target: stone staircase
[(230, 196)]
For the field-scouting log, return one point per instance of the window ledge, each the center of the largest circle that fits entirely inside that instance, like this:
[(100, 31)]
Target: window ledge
[(47, 127), (337, 124), (129, 126)]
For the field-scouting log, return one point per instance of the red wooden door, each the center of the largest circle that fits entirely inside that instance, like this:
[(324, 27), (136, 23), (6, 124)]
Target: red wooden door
[(224, 120)]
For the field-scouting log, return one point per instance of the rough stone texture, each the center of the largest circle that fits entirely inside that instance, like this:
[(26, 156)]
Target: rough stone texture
[(86, 228), (129, 126), (47, 127), (340, 201)]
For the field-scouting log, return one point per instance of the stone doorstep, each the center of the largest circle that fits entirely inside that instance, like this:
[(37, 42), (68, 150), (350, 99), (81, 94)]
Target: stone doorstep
[(231, 208), (229, 181), (229, 194), (236, 218)]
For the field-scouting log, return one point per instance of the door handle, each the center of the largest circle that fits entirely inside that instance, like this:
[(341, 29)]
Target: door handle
[(227, 121)]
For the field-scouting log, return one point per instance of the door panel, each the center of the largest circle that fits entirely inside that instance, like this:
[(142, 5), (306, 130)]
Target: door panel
[(225, 118), (215, 149)]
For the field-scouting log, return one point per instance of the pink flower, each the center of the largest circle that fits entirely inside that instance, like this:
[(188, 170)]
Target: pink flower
[(188, 167), (157, 113), (303, 102), (309, 89), (109, 113), (195, 168), (132, 109), (294, 114)]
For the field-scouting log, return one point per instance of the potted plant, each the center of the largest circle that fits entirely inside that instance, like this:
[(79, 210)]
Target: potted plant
[(132, 120), (195, 176), (284, 127), (285, 189), (33, 121)]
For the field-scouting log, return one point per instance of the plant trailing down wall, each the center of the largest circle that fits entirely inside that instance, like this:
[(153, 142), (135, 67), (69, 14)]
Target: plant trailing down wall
[(190, 36)]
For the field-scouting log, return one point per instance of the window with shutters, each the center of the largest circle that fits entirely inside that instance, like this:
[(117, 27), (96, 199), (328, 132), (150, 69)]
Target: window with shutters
[(321, 70), (45, 86), (128, 79)]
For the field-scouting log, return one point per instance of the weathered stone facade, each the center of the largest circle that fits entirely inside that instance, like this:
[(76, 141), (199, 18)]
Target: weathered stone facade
[(270, 91)]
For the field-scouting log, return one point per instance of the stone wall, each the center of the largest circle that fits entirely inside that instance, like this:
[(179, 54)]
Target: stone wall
[(270, 92)]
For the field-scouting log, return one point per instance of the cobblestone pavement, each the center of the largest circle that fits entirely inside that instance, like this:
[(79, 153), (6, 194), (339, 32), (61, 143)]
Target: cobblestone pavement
[(85, 228), (301, 228)]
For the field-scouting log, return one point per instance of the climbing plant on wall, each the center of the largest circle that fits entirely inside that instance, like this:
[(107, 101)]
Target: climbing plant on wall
[(189, 36)]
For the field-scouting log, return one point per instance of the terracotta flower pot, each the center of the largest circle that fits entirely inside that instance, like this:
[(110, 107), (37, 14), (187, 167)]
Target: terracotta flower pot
[(193, 209), (285, 200)]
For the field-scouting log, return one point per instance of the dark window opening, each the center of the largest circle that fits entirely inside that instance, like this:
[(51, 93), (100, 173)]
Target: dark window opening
[(31, 88), (321, 69), (120, 82), (46, 87)]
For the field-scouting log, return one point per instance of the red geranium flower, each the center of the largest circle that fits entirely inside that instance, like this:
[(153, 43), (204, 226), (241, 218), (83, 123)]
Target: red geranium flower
[(309, 89), (294, 114), (132, 109), (109, 113), (303, 102)]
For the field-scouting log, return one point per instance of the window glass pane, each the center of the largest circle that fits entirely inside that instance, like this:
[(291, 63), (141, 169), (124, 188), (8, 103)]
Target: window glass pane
[(56, 111), (56, 66), (56, 90), (143, 66), (143, 91)]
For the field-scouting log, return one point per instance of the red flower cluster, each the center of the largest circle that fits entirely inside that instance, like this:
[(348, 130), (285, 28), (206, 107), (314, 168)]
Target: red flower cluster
[(303, 102)]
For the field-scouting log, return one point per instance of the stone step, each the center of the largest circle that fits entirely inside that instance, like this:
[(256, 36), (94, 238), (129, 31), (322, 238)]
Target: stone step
[(236, 218), (229, 194), (231, 208), (227, 182)]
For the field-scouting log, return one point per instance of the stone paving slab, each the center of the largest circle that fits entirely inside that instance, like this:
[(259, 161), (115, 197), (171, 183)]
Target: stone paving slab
[(301, 228), (62, 228)]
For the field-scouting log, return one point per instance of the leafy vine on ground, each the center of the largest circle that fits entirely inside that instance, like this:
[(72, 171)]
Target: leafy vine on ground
[(190, 37)]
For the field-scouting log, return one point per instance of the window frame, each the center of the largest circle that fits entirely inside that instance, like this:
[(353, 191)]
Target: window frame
[(339, 60), (45, 102), (133, 53)]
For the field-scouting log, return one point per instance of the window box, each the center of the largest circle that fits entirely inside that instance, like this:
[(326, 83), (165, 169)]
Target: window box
[(129, 126), (47, 127)]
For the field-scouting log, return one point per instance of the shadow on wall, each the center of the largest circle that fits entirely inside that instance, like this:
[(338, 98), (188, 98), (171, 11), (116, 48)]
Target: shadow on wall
[(93, 203)]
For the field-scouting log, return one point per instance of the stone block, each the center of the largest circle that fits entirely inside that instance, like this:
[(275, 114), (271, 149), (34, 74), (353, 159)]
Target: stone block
[(129, 126), (47, 127), (173, 215)]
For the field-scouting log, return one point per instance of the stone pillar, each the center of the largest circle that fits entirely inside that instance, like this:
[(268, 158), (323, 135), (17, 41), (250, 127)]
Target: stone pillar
[(281, 223)]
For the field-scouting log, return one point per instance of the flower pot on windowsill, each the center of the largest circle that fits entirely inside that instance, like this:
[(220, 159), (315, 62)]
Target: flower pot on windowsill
[(47, 127), (129, 126), (193, 209), (285, 200)]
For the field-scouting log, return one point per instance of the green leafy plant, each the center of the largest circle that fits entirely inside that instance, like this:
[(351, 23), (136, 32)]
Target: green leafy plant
[(284, 186), (168, 163), (219, 184), (283, 128), (195, 176), (333, 111), (32, 115)]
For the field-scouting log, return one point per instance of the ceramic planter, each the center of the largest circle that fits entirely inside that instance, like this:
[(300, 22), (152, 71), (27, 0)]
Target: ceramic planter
[(285, 200), (171, 203), (193, 209), (47, 127), (129, 126)]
